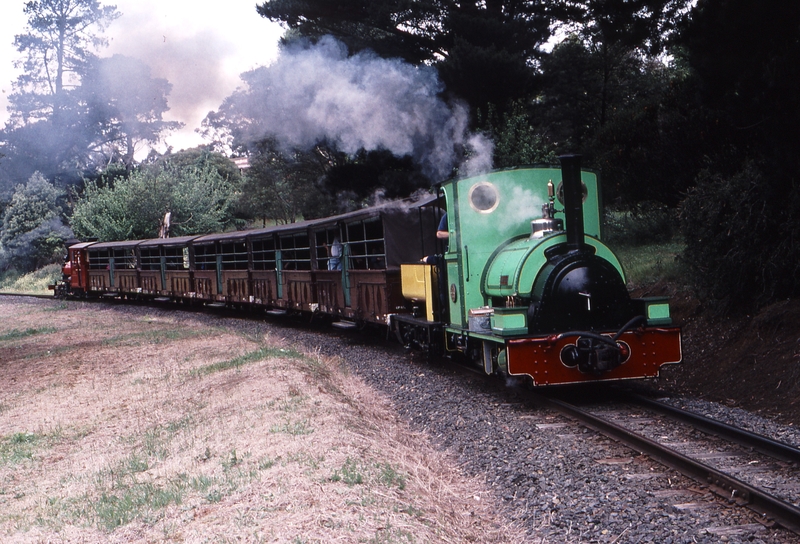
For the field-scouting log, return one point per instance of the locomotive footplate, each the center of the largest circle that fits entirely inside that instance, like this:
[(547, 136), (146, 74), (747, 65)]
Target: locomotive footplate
[(414, 331), (546, 359)]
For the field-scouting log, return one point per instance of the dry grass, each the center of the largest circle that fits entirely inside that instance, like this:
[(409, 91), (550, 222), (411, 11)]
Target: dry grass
[(35, 282), (115, 428)]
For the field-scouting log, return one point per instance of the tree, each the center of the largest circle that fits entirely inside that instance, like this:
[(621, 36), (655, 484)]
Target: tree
[(199, 199), (117, 107), (46, 131), (645, 26), (122, 105), (491, 50), (368, 176), (201, 157), (745, 58), (517, 139), (653, 145), (57, 47), (629, 114), (745, 71), (391, 28), (56, 151), (484, 50), (582, 86), (283, 186), (33, 233)]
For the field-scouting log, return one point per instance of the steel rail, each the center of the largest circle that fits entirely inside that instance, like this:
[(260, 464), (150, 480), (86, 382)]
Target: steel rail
[(728, 487), (760, 443), (30, 295)]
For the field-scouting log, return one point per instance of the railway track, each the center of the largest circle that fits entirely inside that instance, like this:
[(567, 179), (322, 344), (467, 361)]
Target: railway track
[(30, 295), (744, 468)]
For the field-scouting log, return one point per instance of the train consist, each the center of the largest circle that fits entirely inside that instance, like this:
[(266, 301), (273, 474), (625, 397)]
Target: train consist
[(542, 297)]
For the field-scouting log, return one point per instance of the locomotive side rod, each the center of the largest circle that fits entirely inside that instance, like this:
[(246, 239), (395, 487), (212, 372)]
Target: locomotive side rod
[(724, 485)]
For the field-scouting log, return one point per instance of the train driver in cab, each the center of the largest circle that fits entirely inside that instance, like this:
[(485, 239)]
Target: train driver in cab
[(442, 233)]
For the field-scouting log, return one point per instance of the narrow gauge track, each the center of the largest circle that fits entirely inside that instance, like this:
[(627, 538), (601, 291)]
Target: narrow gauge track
[(31, 295), (686, 453)]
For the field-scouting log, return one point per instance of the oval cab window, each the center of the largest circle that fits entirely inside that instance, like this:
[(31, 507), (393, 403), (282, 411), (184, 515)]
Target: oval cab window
[(483, 197)]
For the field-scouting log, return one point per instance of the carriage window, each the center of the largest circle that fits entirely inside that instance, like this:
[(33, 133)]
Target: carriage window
[(366, 243), (205, 257), (264, 254), (124, 258), (295, 251), (151, 258), (173, 258), (325, 238), (98, 259), (234, 256)]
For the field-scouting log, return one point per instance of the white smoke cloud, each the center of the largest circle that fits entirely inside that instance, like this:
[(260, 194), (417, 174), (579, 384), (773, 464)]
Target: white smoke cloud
[(525, 203), (315, 93), (480, 150)]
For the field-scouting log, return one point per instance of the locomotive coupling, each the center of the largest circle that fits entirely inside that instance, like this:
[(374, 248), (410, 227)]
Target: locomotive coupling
[(595, 353), (594, 356)]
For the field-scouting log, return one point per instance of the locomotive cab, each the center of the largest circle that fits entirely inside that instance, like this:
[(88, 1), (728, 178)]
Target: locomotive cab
[(74, 271)]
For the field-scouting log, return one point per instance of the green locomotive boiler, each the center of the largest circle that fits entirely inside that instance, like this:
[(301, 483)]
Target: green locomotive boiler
[(527, 287)]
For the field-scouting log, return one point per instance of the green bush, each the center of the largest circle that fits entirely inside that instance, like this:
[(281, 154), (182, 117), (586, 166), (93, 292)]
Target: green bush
[(32, 232), (645, 223), (200, 201), (742, 235), (649, 264), (35, 282)]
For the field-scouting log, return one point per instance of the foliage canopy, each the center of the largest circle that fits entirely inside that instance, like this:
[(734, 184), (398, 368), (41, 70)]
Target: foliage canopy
[(712, 126), (199, 200), (72, 112), (482, 49), (59, 43), (740, 220), (33, 233)]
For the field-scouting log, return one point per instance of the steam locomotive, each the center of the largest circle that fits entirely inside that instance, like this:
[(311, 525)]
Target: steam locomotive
[(543, 297)]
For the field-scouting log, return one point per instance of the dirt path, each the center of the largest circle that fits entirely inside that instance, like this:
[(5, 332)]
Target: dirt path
[(149, 426)]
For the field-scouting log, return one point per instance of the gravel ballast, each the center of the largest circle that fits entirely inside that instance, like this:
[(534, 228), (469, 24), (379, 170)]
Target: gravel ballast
[(560, 481)]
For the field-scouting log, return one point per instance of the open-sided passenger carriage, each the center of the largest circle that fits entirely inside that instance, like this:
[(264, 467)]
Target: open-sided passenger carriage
[(282, 267)]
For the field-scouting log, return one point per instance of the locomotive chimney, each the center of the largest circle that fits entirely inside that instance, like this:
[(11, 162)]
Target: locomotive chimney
[(573, 199)]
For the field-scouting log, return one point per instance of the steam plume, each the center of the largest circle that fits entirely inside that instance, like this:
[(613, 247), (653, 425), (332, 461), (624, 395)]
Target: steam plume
[(314, 93)]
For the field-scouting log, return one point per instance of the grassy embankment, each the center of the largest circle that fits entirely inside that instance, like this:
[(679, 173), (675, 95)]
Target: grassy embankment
[(647, 242), (121, 424), (648, 264), (33, 283)]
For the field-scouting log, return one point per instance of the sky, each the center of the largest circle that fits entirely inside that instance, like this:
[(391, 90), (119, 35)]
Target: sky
[(200, 50)]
